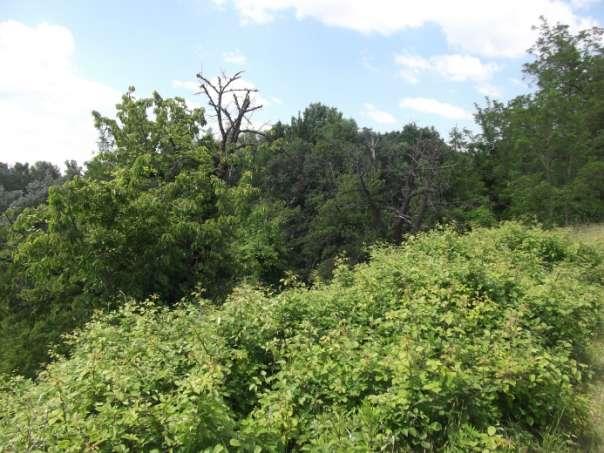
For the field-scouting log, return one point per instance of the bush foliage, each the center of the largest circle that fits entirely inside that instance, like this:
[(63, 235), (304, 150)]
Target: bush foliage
[(468, 342), (165, 207)]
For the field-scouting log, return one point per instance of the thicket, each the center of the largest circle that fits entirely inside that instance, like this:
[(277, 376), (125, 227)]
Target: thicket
[(468, 342), (362, 332)]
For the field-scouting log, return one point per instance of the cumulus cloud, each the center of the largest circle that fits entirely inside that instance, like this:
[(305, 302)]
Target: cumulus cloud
[(377, 115), (455, 67), (488, 28), (435, 107), (189, 85), (490, 90), (411, 66), (235, 57), (583, 3), (463, 67), (45, 105)]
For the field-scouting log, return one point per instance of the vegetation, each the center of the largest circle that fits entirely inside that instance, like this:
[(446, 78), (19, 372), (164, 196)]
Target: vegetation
[(546, 149), (593, 439), (292, 289), (462, 342), (23, 186), (148, 218)]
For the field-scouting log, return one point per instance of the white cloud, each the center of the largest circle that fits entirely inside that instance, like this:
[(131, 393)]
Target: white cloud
[(435, 107), (192, 104), (189, 85), (45, 105), (583, 3), (463, 67), (378, 116), (367, 62), (490, 90), (489, 28), (455, 67), (235, 57), (411, 66)]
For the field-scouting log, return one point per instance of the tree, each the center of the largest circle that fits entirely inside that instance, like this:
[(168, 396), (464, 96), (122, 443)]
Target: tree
[(24, 185), (302, 165), (149, 219), (537, 145), (421, 185), (232, 103), (350, 188)]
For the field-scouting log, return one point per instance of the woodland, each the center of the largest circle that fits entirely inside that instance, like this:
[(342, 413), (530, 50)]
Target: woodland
[(313, 286)]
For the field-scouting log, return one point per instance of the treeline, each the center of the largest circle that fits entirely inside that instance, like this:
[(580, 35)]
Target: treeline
[(24, 185), (165, 210)]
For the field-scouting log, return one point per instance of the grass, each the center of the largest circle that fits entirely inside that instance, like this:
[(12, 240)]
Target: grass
[(590, 234), (596, 393), (594, 236)]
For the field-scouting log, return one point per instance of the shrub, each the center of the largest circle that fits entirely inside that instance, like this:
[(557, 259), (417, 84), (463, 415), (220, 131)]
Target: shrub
[(458, 342)]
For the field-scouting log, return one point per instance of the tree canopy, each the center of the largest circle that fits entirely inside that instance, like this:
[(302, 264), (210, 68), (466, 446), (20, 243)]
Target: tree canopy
[(280, 288)]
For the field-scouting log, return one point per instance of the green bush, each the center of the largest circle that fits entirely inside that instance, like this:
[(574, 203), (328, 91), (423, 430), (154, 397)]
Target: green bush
[(456, 342)]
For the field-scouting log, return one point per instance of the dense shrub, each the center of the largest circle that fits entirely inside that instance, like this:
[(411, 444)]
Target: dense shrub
[(458, 342)]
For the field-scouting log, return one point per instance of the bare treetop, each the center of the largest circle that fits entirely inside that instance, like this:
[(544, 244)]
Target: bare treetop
[(232, 103)]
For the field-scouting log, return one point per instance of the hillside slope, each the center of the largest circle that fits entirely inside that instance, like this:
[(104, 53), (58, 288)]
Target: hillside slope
[(594, 236), (453, 342)]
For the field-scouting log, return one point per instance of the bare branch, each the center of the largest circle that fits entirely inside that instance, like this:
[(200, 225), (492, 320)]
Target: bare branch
[(252, 131), (229, 116)]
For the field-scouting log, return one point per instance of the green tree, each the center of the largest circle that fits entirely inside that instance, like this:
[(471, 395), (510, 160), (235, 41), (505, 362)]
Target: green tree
[(538, 145), (150, 218), (24, 185)]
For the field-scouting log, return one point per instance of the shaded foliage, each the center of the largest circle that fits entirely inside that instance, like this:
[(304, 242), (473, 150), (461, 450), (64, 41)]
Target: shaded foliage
[(24, 185)]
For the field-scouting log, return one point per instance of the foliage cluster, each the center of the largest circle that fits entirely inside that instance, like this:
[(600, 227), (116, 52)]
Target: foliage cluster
[(542, 154), (148, 218), (448, 342), (468, 342), (24, 185)]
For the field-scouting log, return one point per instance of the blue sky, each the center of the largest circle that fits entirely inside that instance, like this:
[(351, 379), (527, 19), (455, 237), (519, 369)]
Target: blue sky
[(384, 62)]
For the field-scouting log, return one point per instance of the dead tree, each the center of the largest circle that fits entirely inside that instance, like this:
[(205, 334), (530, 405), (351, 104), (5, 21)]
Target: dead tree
[(366, 168), (232, 104), (421, 187)]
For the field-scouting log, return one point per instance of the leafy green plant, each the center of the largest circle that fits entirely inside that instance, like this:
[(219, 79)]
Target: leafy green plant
[(450, 342)]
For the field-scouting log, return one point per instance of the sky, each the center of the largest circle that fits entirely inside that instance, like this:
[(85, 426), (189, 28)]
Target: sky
[(384, 63)]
